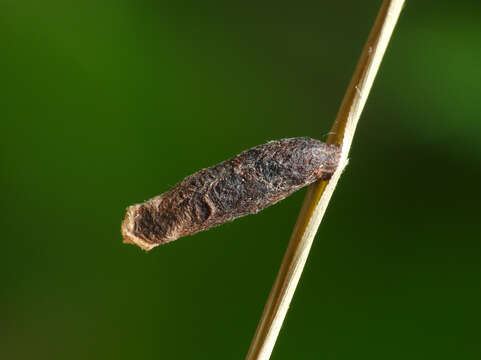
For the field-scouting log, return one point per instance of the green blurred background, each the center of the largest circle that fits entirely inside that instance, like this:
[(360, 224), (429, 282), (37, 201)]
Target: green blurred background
[(108, 103)]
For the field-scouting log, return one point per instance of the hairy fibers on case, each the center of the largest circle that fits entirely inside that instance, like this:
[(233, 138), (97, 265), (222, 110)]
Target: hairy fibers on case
[(246, 184)]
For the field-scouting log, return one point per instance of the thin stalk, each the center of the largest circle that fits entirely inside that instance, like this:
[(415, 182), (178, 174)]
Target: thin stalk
[(319, 194)]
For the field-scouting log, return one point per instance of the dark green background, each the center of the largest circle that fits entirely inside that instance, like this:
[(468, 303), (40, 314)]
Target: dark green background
[(107, 103)]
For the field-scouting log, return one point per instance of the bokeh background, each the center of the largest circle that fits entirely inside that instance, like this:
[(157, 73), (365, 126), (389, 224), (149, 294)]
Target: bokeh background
[(107, 103)]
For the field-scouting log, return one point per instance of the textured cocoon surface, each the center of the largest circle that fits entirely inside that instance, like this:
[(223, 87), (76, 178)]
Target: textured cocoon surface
[(246, 184)]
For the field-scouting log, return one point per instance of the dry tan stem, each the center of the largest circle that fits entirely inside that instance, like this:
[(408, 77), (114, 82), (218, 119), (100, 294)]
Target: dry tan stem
[(319, 194)]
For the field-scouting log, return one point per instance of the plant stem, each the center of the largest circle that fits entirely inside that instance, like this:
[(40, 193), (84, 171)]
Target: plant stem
[(319, 194)]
